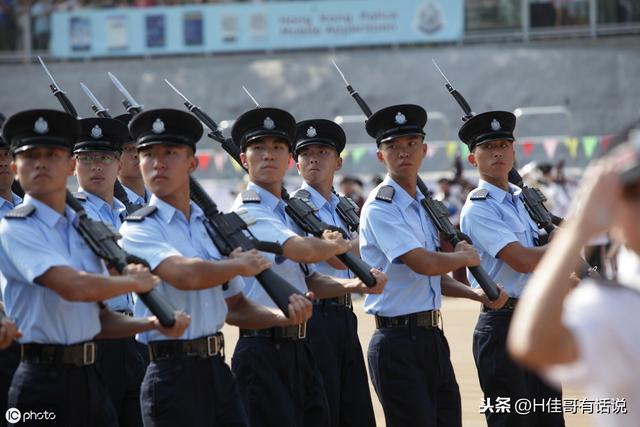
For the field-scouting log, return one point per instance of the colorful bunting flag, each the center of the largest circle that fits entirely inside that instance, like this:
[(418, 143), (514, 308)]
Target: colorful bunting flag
[(452, 149), (572, 146), (589, 144), (550, 145), (464, 150), (203, 161), (527, 148), (358, 153), (218, 160)]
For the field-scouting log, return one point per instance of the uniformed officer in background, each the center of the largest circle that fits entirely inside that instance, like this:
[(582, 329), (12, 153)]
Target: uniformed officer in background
[(54, 281), (495, 218), (409, 360), (276, 371), (334, 327), (9, 349), (97, 153), (129, 173), (187, 382)]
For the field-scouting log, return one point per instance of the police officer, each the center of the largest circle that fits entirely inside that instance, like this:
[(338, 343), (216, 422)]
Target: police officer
[(495, 218), (129, 173), (333, 328), (9, 349), (97, 153), (277, 374), (187, 382), (55, 281), (408, 356)]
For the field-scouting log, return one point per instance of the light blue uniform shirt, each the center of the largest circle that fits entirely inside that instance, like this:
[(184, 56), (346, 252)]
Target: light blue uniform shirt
[(135, 198), (167, 233), (327, 213), (6, 206), (492, 224), (387, 231), (271, 226), (29, 247), (98, 209)]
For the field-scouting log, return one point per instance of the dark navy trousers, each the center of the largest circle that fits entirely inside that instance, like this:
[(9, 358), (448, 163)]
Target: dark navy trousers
[(333, 335), (280, 383), (122, 369), (191, 391), (501, 377), (411, 371), (75, 394), (9, 361)]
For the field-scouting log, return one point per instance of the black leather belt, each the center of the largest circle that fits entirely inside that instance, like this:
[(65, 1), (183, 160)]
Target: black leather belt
[(295, 332), (83, 354), (339, 302), (204, 347), (510, 305), (423, 319)]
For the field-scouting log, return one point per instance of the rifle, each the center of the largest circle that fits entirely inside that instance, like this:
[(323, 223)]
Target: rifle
[(59, 93), (301, 211), (436, 210), (231, 230), (129, 103), (118, 190), (102, 238)]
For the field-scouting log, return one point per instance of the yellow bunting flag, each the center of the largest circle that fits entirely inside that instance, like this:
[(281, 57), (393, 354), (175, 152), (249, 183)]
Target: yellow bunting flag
[(452, 149), (572, 146)]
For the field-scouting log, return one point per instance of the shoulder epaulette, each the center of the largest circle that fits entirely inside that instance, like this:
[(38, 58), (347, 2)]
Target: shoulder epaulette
[(302, 194), (21, 212), (250, 196), (141, 214), (479, 194), (79, 196), (386, 193)]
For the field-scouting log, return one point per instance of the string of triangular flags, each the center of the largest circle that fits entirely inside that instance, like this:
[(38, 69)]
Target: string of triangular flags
[(525, 147)]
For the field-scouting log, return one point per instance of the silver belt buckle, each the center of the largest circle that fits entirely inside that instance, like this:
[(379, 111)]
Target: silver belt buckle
[(89, 353), (348, 302), (213, 345), (435, 318), (302, 330)]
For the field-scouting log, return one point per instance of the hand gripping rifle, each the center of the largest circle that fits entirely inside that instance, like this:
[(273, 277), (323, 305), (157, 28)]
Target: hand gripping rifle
[(118, 190), (532, 198), (103, 239), (436, 210), (230, 231), (301, 211)]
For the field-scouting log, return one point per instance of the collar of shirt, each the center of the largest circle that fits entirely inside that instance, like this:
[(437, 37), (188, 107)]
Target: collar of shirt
[(117, 206), (49, 216), (401, 197), (167, 213), (318, 199), (498, 193), (15, 201)]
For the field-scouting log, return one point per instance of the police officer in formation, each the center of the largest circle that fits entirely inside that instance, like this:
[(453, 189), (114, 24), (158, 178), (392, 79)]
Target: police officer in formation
[(276, 370), (506, 238), (408, 355), (97, 153), (55, 283), (333, 328), (129, 173), (9, 349)]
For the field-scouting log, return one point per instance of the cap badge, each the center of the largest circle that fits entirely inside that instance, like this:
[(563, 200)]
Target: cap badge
[(41, 126), (96, 132), (311, 132), (269, 124), (495, 125), (400, 119), (158, 126)]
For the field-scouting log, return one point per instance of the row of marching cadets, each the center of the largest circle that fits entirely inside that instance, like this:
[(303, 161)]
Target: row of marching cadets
[(74, 319)]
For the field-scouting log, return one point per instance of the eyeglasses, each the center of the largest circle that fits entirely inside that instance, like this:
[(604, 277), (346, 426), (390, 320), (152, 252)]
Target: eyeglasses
[(105, 159)]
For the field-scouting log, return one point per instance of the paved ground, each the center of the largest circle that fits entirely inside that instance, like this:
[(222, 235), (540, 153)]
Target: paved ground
[(459, 320)]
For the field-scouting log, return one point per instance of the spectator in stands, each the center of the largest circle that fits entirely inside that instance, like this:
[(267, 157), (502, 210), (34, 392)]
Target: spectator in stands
[(8, 25)]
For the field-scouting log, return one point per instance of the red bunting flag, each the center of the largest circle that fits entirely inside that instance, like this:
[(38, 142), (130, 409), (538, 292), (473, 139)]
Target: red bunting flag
[(527, 148), (203, 161)]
